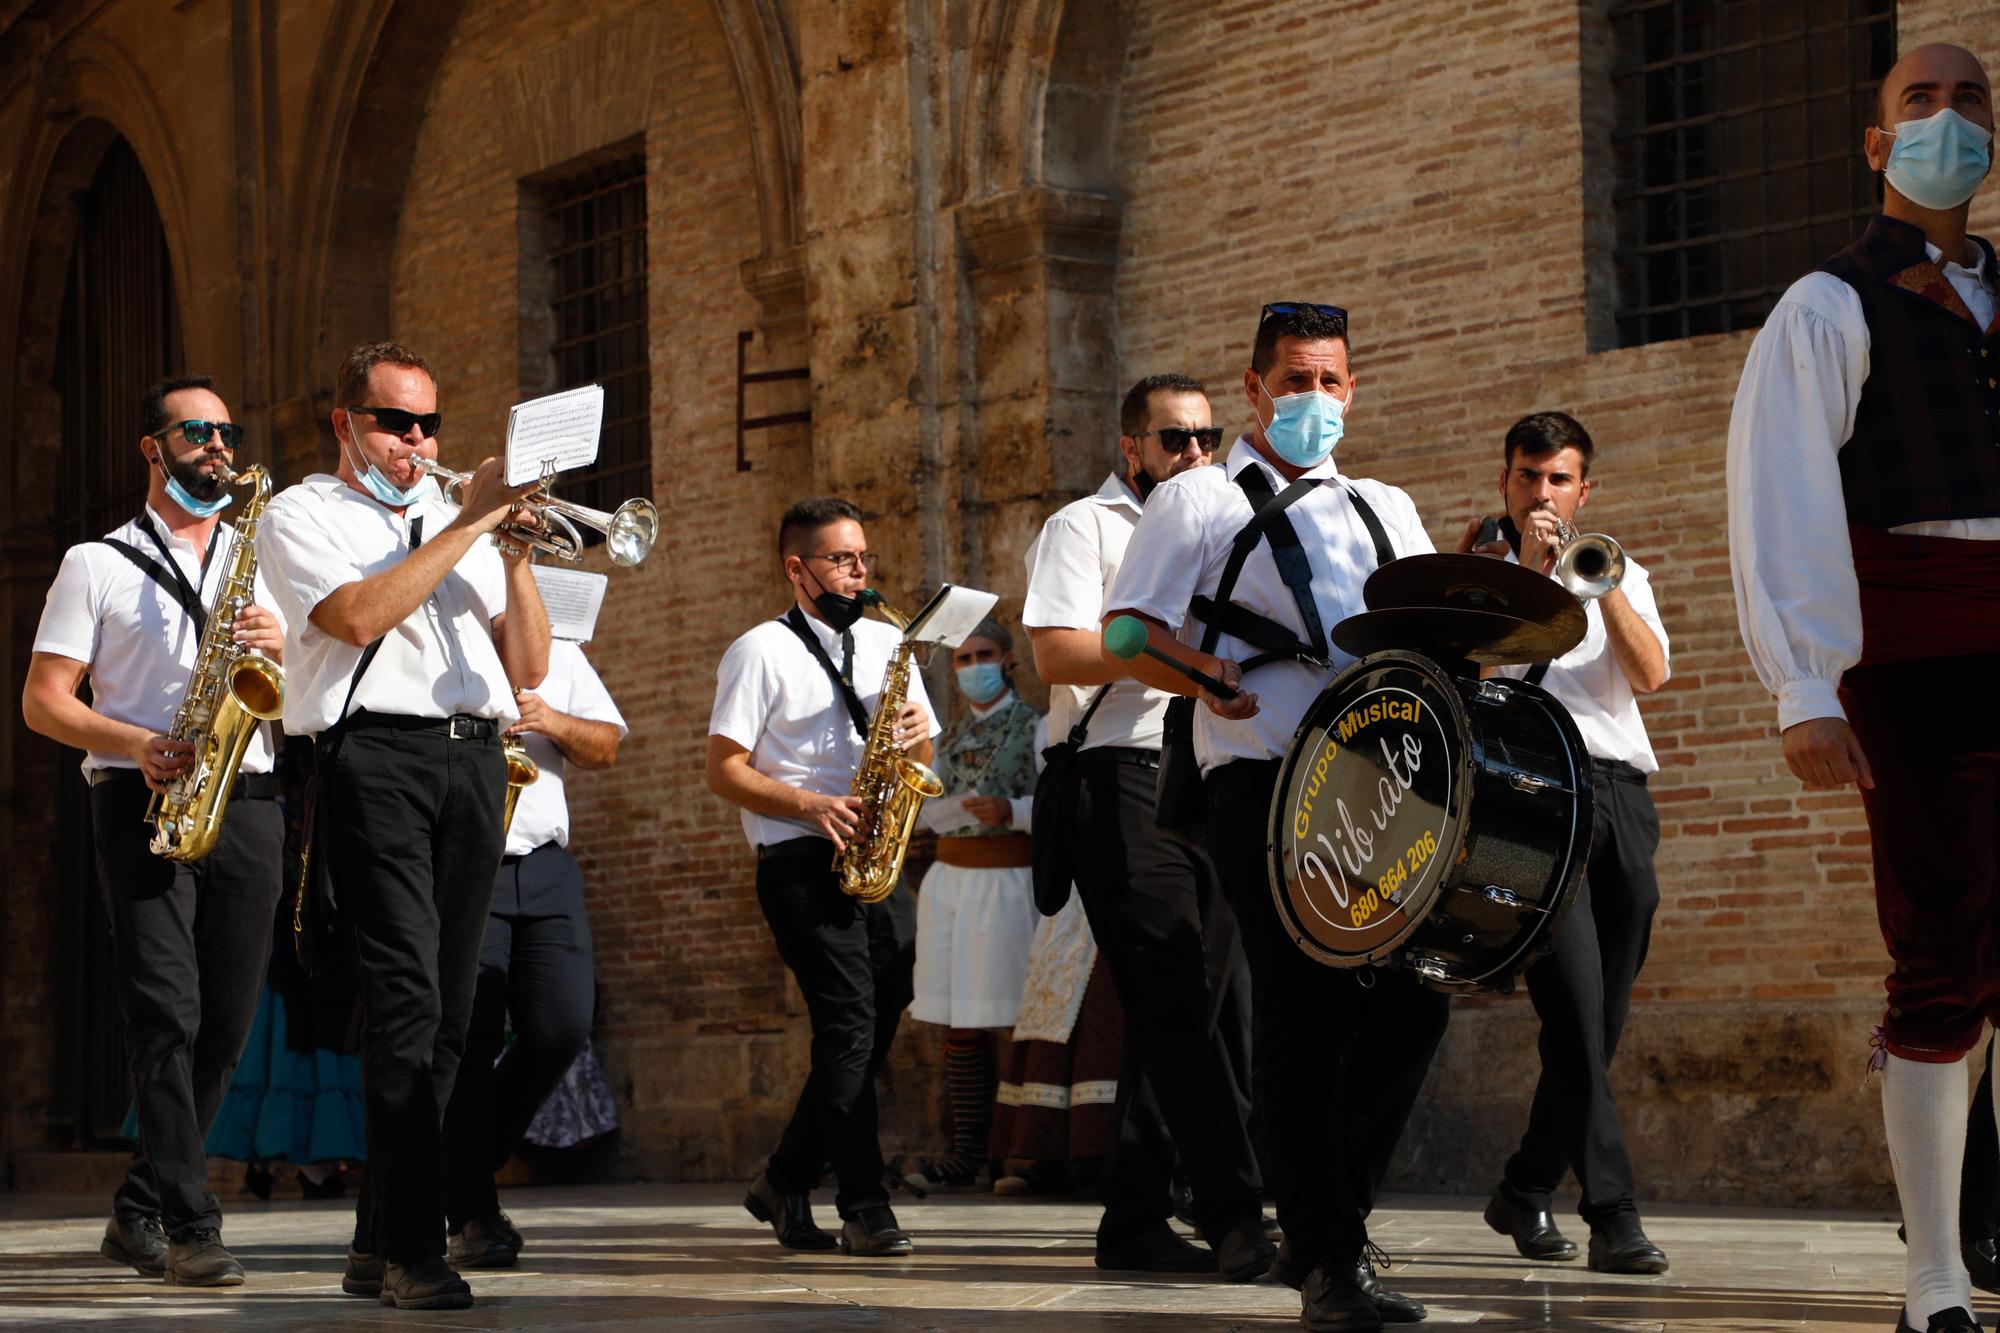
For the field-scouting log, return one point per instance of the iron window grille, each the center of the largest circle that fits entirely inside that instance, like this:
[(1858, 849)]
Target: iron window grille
[(597, 231), (1736, 141)]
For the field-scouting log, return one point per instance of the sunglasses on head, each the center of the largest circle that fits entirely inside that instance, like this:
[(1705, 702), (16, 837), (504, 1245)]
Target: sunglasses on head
[(1298, 308), (1175, 439), (199, 433), (398, 422)]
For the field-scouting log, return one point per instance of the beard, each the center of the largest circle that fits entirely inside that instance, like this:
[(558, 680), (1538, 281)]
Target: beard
[(203, 486)]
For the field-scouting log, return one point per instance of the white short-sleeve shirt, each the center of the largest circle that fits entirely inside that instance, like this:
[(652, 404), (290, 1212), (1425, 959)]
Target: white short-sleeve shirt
[(773, 698), (1588, 681), (1070, 569), (321, 535), (1179, 550), (572, 686), (131, 633)]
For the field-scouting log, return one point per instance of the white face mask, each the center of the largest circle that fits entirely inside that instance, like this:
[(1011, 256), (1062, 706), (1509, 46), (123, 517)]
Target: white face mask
[(1939, 161)]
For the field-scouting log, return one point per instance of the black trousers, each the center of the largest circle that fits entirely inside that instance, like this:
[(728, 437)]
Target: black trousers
[(853, 962), (1155, 908), (1582, 992), (1979, 1178), (190, 943), (1339, 1055), (535, 969), (410, 823)]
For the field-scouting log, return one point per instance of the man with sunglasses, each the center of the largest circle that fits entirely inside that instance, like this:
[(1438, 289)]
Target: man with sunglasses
[(190, 939), (1168, 939), (793, 699), (1338, 1057), (410, 634)]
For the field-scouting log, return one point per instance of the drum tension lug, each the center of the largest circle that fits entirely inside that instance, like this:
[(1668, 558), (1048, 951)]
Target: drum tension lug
[(1500, 897), (1493, 692)]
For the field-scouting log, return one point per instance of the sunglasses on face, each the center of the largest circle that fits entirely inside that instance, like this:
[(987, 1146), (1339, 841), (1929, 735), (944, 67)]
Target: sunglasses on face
[(199, 433), (396, 421), (1299, 307), (1175, 439)]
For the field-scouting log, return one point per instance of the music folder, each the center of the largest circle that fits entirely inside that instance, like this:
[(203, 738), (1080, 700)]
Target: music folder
[(950, 615)]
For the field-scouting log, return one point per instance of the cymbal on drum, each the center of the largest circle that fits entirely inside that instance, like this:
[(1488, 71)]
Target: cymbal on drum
[(1446, 633), (1468, 583)]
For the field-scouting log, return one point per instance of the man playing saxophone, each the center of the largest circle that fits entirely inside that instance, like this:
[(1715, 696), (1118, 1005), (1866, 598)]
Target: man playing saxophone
[(190, 938), (792, 705), (410, 633)]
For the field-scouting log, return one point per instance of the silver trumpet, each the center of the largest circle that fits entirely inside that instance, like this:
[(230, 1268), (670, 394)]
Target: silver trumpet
[(1589, 564), (629, 532)]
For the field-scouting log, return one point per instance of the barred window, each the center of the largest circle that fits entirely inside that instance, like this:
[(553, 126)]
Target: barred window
[(1737, 143), (596, 232)]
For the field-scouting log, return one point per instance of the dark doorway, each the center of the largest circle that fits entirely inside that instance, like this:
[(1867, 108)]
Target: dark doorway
[(120, 331)]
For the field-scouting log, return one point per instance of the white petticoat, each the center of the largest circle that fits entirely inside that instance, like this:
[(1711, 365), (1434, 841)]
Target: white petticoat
[(975, 929)]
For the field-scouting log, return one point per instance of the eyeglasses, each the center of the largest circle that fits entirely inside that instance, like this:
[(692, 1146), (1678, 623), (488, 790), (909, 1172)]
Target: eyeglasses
[(1175, 439), (843, 562), (1299, 308), (199, 433), (398, 422)]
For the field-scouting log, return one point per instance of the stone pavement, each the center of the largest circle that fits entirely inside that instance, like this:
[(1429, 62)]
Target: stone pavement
[(687, 1257)]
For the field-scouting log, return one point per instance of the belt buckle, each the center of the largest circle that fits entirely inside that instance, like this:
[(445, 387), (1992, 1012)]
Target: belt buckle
[(463, 728)]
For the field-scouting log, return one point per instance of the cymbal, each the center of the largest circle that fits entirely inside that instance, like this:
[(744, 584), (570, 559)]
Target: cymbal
[(1470, 583), (1487, 638)]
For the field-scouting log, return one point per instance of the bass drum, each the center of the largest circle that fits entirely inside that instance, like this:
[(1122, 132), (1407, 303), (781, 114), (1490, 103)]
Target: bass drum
[(1430, 821)]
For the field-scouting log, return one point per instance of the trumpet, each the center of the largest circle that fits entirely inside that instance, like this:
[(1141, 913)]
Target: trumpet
[(629, 531), (1589, 564)]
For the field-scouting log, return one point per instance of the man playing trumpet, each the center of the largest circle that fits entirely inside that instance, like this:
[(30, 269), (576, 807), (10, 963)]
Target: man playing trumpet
[(1583, 989), (409, 633)]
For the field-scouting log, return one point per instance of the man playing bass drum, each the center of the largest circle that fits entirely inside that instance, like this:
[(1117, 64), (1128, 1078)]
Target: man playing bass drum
[(190, 938), (1337, 1063), (785, 737)]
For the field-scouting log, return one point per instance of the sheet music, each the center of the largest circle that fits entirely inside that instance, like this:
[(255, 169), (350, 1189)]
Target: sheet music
[(573, 598), (950, 615), (560, 428)]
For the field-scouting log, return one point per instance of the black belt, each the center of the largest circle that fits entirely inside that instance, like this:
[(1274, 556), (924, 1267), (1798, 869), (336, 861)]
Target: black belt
[(515, 858), (1619, 769), (247, 787), (806, 846), (1124, 754), (459, 726)]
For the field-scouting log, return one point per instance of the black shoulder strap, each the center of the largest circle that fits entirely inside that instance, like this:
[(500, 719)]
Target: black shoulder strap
[(175, 584), (1218, 613), (1384, 553), (1078, 731), (1536, 672), (795, 620), (368, 653)]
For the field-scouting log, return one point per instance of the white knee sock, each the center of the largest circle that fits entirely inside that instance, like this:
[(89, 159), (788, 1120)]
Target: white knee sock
[(1923, 1110)]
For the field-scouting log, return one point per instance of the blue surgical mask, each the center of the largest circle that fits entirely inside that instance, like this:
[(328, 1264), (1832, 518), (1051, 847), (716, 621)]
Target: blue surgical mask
[(1939, 161), (1305, 427), (982, 682), (199, 508), (389, 493)]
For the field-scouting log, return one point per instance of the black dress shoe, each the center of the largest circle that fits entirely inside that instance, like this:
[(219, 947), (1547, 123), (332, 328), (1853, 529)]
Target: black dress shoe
[(1155, 1249), (1982, 1264), (873, 1231), (138, 1242), (507, 1228), (790, 1216), (200, 1261), (1533, 1229), (1393, 1306), (1243, 1253), (363, 1274), (1958, 1319), (426, 1284), (481, 1243), (1619, 1245), (1333, 1304)]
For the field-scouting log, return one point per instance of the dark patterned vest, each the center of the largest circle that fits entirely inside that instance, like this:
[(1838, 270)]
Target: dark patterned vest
[(1926, 441)]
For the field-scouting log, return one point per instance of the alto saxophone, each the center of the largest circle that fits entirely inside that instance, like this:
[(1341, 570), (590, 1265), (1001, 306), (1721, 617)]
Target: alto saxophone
[(231, 691), (892, 786)]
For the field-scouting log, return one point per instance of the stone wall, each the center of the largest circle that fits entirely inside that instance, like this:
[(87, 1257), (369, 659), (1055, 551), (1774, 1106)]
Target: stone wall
[(975, 221)]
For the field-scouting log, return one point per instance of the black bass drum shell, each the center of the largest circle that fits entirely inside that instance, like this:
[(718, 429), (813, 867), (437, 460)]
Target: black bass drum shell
[(1432, 821)]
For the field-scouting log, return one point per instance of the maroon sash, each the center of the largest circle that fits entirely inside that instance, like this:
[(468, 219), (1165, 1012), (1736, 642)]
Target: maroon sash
[(1925, 596)]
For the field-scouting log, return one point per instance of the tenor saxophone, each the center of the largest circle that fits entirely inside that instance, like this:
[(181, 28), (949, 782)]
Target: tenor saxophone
[(231, 691), (891, 785)]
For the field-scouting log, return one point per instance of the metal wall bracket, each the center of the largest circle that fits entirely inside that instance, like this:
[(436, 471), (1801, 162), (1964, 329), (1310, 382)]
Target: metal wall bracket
[(745, 378)]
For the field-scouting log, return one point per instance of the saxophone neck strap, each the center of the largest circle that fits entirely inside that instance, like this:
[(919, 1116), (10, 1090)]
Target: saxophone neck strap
[(168, 576), (795, 620), (368, 653)]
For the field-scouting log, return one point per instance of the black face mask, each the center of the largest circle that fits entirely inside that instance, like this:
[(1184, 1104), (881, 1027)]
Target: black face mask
[(838, 610), (1143, 483)]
